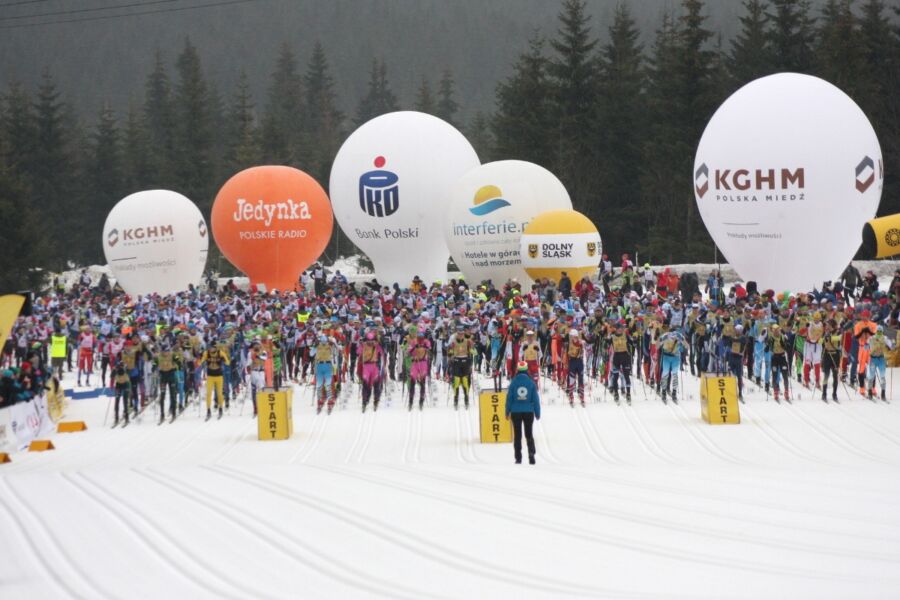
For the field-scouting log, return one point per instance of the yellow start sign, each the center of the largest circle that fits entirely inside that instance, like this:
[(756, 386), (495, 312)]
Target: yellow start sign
[(275, 414), (494, 426), (718, 400)]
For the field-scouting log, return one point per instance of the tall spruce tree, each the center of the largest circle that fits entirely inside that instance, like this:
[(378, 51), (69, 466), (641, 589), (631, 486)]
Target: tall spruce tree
[(135, 151), (446, 106), (750, 56), (103, 179), (840, 53), (244, 149), (159, 126), (573, 72), (479, 134), (791, 36), (621, 114), (323, 121), (51, 172), (282, 126), (193, 130), (425, 98), (522, 126), (23, 235), (323, 130), (379, 99), (17, 120)]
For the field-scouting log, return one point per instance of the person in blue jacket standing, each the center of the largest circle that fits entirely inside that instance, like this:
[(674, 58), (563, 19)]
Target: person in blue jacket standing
[(523, 405)]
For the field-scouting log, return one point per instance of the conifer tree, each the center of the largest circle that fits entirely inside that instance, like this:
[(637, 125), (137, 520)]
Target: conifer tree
[(750, 57), (424, 98), (522, 125), (446, 106), (379, 98)]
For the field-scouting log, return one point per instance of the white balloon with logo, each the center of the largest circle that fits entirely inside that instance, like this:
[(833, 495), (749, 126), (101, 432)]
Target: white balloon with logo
[(389, 189), (155, 241), (489, 208), (787, 172)]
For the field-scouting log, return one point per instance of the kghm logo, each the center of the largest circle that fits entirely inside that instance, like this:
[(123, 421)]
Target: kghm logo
[(892, 237), (134, 236), (201, 227), (487, 200), (751, 185), (701, 180), (865, 174), (379, 194), (532, 250)]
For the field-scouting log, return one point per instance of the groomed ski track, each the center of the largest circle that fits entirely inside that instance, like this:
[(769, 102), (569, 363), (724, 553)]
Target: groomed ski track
[(640, 501)]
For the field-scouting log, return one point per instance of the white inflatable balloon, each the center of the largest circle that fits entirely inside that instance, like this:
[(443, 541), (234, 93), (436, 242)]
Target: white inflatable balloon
[(787, 172), (489, 208), (389, 187), (155, 241)]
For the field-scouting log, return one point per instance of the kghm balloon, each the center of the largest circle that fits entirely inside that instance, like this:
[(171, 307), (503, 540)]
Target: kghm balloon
[(272, 222), (389, 187), (787, 172), (560, 241), (155, 241), (489, 209)]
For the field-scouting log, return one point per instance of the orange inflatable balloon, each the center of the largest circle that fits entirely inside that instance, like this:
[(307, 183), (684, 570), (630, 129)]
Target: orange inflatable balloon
[(272, 222)]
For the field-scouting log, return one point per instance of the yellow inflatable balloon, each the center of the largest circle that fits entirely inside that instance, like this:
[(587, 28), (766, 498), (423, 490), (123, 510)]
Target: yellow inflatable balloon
[(560, 241)]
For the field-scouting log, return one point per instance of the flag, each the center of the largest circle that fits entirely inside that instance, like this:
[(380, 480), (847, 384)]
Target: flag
[(10, 305)]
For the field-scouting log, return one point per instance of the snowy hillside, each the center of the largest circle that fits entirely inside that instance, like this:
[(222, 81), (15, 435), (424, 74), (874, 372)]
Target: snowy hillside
[(647, 501)]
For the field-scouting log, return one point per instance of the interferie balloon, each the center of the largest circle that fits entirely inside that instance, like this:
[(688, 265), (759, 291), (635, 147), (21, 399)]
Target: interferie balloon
[(155, 241), (560, 241), (389, 186), (787, 172), (272, 222), (489, 209)]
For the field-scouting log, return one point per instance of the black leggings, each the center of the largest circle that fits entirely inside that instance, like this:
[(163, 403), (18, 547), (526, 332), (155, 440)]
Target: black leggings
[(520, 419)]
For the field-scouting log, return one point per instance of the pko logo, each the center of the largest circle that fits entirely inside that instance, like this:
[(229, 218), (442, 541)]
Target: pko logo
[(487, 200), (112, 238), (379, 193)]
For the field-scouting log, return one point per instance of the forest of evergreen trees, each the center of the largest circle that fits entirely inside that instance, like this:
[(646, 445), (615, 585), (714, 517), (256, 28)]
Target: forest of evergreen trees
[(617, 122)]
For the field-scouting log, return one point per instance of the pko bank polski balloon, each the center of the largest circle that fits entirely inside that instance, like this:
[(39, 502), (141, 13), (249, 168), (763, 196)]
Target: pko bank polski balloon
[(787, 172), (389, 188), (489, 208), (155, 241)]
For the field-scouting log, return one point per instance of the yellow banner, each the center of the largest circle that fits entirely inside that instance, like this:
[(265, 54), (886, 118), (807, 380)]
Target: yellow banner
[(275, 414), (719, 401), (495, 429), (10, 305)]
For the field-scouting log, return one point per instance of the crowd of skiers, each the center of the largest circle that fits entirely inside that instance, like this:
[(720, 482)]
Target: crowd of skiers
[(603, 335)]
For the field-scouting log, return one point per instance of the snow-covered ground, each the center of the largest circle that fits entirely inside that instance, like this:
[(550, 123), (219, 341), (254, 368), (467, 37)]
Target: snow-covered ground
[(647, 501)]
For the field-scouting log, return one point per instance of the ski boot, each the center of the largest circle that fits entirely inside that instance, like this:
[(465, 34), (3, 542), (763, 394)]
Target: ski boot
[(220, 412), (422, 404), (883, 396), (410, 406), (872, 394), (663, 395), (675, 396), (834, 396), (208, 414), (767, 387), (824, 395), (365, 403), (628, 396), (375, 406), (455, 404), (531, 460), (616, 396)]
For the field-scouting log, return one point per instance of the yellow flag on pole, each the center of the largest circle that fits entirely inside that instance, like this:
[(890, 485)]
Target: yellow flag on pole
[(10, 305)]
